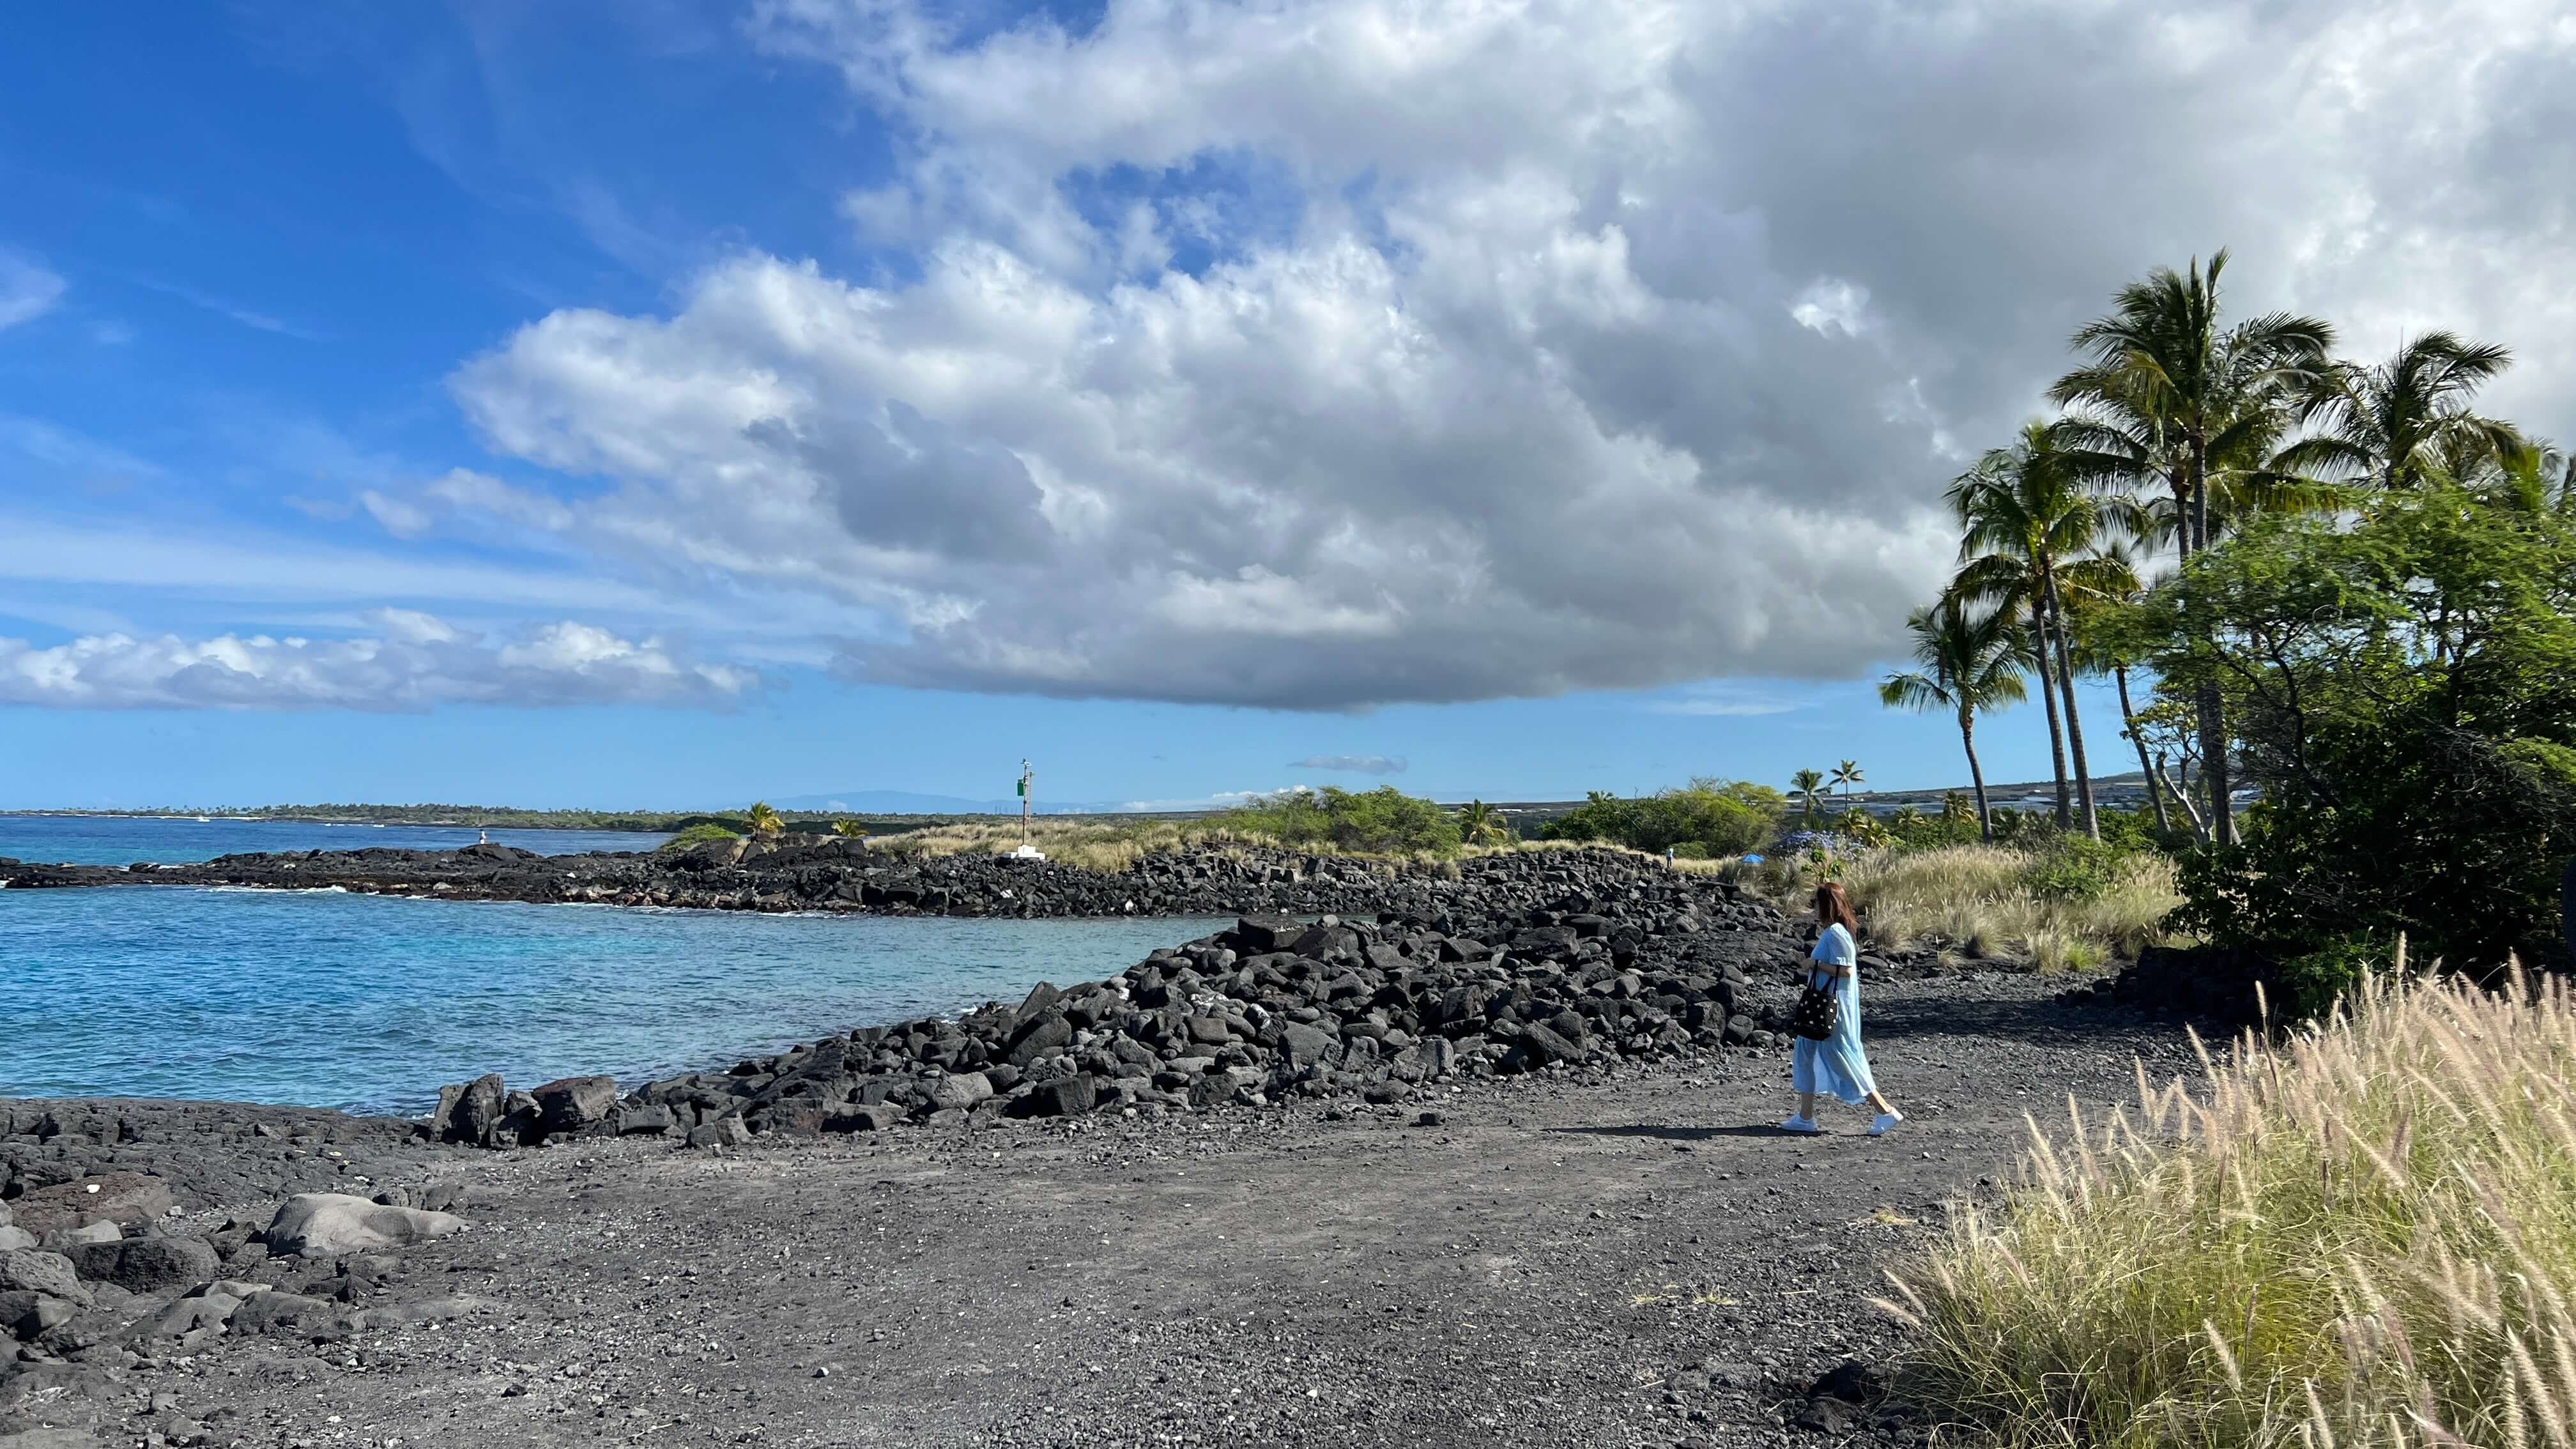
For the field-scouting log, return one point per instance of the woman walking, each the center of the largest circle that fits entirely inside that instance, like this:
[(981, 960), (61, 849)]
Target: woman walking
[(1837, 1064)]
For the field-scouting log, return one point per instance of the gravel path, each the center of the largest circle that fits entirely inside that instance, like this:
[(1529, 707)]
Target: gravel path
[(1636, 1260)]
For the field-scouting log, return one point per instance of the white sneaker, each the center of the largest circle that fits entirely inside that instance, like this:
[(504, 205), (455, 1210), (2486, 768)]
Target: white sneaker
[(1801, 1125), (1886, 1120)]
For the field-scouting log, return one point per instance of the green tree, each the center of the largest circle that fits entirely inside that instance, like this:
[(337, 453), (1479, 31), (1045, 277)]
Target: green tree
[(2410, 418), (1806, 784), (1970, 663), (1479, 824), (2033, 533), (2405, 691), (849, 829), (1846, 775), (762, 819), (2195, 399)]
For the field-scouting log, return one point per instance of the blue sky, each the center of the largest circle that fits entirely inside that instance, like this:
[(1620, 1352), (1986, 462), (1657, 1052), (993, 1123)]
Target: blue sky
[(659, 404)]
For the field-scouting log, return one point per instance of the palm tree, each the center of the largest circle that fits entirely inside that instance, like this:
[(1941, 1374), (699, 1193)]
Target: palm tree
[(1971, 663), (2194, 396), (1478, 822), (1846, 775), (849, 829), (2408, 418), (762, 819), (2031, 530), (1805, 784)]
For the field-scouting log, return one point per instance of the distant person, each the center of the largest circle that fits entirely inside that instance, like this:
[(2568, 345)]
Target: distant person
[(1836, 1064)]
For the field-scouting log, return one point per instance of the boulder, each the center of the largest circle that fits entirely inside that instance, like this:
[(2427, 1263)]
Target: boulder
[(148, 1265), (39, 1272), (13, 1240), (864, 1117), (1255, 935), (25, 1314), (321, 1224), (128, 1199), (1545, 1047), (1038, 1036), (1302, 1046), (572, 1103), (722, 1132), (476, 1116), (960, 1090), (1063, 1097), (640, 1117), (63, 1240)]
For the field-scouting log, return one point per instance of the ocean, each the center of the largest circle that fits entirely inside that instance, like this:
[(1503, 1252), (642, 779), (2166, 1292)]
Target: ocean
[(370, 1003), (123, 840)]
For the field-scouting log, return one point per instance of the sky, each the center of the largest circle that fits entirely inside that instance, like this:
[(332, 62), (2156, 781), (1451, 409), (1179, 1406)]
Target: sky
[(661, 404)]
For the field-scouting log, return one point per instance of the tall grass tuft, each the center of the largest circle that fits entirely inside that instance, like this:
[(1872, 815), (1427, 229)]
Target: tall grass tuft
[(1997, 899), (2363, 1236)]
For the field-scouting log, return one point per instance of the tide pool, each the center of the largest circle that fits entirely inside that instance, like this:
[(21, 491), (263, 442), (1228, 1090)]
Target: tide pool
[(372, 1002)]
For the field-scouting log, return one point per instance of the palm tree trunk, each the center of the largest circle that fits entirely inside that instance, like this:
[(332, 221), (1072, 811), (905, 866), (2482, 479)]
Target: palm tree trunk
[(2211, 707), (2074, 720), (2213, 764), (1976, 774), (2147, 767), (2048, 697)]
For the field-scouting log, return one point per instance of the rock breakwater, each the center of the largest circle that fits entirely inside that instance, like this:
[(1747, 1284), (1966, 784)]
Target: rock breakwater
[(825, 873), (1549, 962)]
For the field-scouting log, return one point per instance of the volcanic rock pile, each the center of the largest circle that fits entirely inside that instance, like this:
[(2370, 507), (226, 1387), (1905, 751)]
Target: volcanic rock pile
[(1526, 963)]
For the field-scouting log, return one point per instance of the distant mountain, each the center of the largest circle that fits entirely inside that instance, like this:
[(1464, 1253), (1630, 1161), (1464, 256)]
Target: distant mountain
[(905, 802)]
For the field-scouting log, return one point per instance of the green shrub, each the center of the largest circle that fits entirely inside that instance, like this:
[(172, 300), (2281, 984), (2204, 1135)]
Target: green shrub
[(2311, 984), (698, 834), (2073, 868), (1721, 819), (1382, 821)]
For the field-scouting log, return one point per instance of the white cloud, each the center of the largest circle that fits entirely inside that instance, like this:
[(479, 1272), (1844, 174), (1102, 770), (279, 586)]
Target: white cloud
[(413, 661), (1354, 764), (1544, 345), (27, 291)]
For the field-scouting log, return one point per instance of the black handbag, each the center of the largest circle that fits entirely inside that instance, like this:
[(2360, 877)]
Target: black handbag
[(1819, 1011)]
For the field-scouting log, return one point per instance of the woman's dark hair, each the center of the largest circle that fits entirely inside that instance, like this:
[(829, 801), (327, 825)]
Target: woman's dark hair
[(1834, 907)]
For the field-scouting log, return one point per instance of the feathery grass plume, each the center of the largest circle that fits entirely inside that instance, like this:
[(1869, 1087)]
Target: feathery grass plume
[(2362, 1234)]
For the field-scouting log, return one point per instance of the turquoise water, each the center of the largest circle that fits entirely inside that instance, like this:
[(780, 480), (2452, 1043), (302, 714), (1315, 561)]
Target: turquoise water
[(371, 1002), (115, 840)]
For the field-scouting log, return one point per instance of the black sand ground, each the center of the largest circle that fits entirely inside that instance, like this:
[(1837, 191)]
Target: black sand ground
[(1636, 1260)]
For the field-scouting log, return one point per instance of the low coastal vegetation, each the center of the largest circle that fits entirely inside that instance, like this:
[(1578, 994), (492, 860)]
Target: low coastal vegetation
[(2365, 1235)]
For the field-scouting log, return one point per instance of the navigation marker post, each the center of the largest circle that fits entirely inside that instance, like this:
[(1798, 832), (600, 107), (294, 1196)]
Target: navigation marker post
[(1026, 850)]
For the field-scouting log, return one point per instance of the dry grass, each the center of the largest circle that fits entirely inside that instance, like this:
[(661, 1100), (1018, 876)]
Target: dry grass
[(1112, 844), (1104, 844), (1982, 897), (2365, 1236)]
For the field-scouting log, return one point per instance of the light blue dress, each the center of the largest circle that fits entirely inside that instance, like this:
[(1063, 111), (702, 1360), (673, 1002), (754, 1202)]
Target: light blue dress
[(1835, 1065)]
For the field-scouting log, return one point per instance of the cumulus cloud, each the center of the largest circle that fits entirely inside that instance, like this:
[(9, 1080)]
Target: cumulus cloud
[(27, 291), (1321, 354), (1353, 764), (413, 661)]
